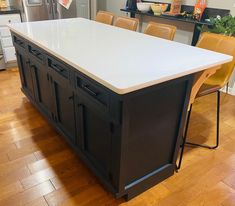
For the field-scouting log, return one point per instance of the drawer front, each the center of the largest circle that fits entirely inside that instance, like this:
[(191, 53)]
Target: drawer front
[(9, 54), (92, 90), (5, 32), (9, 18), (6, 42), (58, 67)]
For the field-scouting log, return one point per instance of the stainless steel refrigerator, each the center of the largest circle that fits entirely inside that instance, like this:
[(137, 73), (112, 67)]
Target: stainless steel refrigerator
[(36, 10)]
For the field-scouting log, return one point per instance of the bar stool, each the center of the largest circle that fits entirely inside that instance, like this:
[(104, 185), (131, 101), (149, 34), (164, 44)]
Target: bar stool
[(127, 23), (213, 82), (104, 17), (164, 31)]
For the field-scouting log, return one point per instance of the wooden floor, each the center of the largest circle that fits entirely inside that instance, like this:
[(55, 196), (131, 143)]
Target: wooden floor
[(37, 167)]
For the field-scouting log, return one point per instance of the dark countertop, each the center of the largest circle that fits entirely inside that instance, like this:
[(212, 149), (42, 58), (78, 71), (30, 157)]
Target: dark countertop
[(209, 12), (9, 10), (189, 20)]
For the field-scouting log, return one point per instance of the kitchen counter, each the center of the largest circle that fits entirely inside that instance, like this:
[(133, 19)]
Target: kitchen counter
[(118, 97), (122, 60)]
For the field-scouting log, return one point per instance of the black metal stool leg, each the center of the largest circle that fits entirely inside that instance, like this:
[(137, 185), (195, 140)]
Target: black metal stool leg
[(184, 138), (217, 127), (218, 120), (227, 86)]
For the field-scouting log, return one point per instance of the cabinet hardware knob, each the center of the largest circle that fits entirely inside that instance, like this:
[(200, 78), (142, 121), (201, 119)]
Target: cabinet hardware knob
[(9, 21), (71, 97)]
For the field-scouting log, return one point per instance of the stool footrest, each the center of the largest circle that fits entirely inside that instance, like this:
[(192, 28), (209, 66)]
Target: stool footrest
[(202, 145)]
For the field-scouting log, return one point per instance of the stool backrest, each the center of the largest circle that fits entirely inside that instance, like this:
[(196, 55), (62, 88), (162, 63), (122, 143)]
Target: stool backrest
[(104, 17), (164, 31), (222, 44), (127, 23)]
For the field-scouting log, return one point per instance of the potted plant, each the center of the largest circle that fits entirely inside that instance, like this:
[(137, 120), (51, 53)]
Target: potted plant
[(222, 25)]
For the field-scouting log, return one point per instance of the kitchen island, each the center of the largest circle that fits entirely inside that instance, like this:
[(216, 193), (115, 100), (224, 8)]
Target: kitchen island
[(118, 97)]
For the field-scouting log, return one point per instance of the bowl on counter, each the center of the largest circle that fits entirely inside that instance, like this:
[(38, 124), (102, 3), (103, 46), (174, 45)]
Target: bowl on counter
[(144, 6), (158, 9)]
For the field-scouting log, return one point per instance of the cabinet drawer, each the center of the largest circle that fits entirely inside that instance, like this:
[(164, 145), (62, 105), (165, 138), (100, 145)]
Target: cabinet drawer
[(9, 18), (58, 67), (36, 53), (18, 41), (92, 90), (6, 42), (5, 32), (9, 54)]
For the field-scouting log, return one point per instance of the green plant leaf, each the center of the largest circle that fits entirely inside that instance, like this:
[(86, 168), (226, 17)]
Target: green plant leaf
[(224, 25)]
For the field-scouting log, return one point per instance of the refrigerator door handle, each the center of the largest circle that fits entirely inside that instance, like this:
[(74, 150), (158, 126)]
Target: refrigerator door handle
[(22, 4), (54, 9), (49, 7), (89, 8)]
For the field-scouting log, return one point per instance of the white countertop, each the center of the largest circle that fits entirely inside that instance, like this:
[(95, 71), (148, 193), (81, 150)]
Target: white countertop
[(121, 60)]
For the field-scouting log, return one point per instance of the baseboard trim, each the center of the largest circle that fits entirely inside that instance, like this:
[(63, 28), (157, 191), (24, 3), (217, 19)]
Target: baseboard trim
[(231, 90)]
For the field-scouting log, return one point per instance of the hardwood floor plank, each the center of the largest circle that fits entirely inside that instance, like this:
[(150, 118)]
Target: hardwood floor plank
[(47, 144), (34, 140), (213, 196), (51, 160), (9, 190), (8, 167), (230, 180), (93, 192), (230, 201), (14, 176), (57, 197), (69, 185), (3, 158), (28, 195), (6, 148), (61, 171), (38, 202)]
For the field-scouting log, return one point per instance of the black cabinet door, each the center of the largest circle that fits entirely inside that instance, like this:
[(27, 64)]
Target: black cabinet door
[(95, 136), (64, 113), (25, 73), (43, 94)]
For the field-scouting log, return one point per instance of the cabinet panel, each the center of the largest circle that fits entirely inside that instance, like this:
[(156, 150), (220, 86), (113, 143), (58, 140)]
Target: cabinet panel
[(64, 104), (96, 136), (43, 94), (5, 32), (7, 42), (25, 73), (9, 54), (64, 97)]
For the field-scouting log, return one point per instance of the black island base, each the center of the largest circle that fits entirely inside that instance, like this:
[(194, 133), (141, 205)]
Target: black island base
[(129, 141)]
